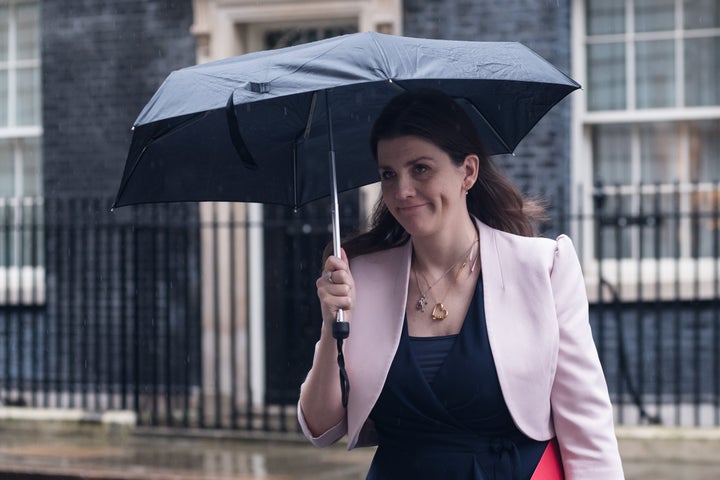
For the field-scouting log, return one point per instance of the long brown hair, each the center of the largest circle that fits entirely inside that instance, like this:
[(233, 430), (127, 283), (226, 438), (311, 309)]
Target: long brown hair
[(437, 118)]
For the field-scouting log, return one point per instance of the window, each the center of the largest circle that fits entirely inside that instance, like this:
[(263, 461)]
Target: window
[(648, 130), (645, 54), (21, 248)]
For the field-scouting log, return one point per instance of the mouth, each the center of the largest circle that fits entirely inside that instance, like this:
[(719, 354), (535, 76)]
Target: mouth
[(410, 208)]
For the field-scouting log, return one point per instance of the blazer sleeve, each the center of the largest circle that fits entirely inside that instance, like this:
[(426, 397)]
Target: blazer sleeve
[(581, 408), (327, 438)]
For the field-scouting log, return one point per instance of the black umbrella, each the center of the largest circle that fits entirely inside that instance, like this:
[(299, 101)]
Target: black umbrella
[(258, 127)]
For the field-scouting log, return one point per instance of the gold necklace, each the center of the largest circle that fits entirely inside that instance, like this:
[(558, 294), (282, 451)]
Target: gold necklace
[(439, 311)]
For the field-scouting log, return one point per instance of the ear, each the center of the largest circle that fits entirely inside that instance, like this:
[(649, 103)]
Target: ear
[(471, 166)]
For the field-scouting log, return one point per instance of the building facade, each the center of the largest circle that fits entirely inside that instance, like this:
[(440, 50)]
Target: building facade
[(206, 315)]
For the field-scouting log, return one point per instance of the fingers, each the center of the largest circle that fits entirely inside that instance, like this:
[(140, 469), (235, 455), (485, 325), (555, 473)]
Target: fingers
[(335, 287)]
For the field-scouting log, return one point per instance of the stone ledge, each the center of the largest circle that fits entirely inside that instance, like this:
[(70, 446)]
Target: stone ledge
[(653, 445), (652, 432), (66, 420)]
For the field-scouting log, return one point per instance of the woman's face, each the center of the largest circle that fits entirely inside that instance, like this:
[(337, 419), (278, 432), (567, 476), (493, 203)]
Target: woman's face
[(423, 189)]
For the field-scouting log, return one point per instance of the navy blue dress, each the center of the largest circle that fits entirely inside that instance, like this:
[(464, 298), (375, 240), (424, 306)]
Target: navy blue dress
[(456, 427)]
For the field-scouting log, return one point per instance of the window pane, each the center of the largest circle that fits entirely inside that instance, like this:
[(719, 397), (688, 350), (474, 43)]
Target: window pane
[(4, 32), (286, 37), (704, 151), (32, 168), (702, 71), (702, 14), (655, 81), (605, 16), (654, 15), (28, 98), (7, 169), (659, 159), (32, 236), (611, 154), (606, 76), (8, 231), (27, 31)]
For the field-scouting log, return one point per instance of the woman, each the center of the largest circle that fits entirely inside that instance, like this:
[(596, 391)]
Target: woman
[(471, 355)]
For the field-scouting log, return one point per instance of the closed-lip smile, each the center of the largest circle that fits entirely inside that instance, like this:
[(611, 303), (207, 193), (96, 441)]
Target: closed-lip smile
[(410, 207)]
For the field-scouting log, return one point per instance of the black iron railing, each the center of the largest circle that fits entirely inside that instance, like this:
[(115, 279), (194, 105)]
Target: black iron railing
[(152, 309)]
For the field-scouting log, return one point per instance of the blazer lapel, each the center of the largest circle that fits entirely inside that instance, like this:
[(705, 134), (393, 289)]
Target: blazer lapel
[(519, 314), (494, 298), (381, 281)]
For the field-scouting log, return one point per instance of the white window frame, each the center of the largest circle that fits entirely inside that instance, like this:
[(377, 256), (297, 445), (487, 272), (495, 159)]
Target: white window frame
[(20, 284), (637, 279)]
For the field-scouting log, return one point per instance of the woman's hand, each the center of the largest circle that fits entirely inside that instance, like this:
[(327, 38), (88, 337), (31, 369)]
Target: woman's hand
[(335, 288)]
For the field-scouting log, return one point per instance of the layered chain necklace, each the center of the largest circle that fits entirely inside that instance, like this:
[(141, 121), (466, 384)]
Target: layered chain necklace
[(439, 311)]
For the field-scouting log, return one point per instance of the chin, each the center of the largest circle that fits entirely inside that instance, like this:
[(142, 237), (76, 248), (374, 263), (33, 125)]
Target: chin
[(416, 229), (418, 224)]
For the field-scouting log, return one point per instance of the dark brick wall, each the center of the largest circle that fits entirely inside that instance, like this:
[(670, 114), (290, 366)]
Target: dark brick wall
[(102, 61), (541, 164), (111, 287)]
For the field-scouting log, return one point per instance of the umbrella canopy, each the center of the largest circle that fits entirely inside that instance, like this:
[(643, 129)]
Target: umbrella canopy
[(259, 127), (255, 128)]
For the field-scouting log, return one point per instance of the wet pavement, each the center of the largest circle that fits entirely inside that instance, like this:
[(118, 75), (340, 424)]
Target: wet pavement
[(164, 457), (648, 453)]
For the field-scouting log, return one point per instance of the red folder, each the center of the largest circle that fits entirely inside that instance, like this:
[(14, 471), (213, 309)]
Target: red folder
[(550, 465)]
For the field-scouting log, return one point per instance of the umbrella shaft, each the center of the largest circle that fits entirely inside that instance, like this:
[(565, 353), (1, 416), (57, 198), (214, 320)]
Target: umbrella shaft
[(334, 210), (335, 214)]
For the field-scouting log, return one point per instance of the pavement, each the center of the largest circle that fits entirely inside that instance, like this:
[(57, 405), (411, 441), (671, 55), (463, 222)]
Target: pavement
[(87, 452)]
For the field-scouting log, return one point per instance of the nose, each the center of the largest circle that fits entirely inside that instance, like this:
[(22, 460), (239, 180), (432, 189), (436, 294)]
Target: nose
[(405, 187)]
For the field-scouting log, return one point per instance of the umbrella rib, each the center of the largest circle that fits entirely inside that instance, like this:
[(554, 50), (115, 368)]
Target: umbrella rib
[(157, 136), (235, 136), (398, 85), (304, 135), (475, 109), (490, 126), (311, 114), (121, 190), (294, 178)]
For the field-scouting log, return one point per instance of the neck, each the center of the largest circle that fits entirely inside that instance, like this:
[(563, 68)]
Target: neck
[(436, 253)]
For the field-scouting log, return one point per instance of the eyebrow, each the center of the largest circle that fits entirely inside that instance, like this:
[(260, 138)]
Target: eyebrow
[(412, 161)]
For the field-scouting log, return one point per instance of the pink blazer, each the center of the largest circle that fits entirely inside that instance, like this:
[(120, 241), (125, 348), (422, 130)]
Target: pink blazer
[(537, 320)]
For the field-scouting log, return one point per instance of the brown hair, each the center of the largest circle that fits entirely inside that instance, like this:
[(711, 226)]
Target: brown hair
[(437, 118)]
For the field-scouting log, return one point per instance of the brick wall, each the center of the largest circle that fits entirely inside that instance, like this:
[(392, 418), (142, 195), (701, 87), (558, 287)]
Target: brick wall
[(110, 285), (102, 61), (541, 163)]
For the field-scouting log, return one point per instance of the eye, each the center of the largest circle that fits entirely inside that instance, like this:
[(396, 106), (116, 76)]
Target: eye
[(386, 174), (420, 168)]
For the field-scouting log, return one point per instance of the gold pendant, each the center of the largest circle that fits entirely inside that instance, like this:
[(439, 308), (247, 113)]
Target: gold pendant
[(439, 312), (421, 303)]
